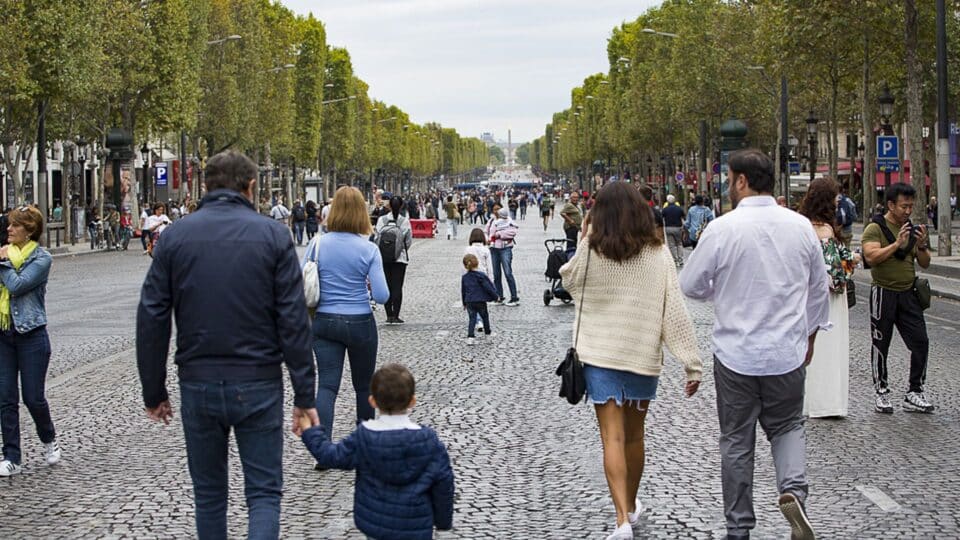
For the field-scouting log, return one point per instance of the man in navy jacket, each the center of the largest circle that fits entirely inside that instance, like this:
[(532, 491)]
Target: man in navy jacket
[(232, 279)]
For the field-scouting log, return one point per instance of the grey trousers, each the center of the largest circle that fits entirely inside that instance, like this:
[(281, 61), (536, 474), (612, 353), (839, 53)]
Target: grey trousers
[(777, 402), (675, 242)]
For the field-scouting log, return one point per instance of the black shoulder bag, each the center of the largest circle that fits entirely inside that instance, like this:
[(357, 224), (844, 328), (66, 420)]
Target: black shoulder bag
[(572, 384)]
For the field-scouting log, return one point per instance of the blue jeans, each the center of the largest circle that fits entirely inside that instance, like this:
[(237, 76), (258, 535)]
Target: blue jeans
[(298, 227), (502, 259), (333, 336), (254, 410), (24, 356)]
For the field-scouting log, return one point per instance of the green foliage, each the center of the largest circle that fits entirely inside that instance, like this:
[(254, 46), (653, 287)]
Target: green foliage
[(308, 93), (496, 154)]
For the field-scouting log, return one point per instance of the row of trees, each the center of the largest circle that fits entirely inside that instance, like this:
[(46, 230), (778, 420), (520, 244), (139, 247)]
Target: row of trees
[(688, 61), (243, 74)]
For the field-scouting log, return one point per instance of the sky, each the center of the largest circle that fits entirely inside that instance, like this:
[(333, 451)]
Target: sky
[(475, 65)]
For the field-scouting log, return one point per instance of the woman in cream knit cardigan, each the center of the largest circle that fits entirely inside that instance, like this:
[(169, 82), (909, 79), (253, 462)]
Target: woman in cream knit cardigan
[(631, 305)]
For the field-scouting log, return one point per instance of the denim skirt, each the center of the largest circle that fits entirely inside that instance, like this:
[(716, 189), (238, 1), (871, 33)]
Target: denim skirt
[(605, 384)]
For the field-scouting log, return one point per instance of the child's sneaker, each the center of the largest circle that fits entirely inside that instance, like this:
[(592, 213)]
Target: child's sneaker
[(9, 468), (52, 452)]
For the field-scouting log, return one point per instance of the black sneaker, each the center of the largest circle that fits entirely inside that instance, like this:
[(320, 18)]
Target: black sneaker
[(916, 402), (800, 528), (398, 320)]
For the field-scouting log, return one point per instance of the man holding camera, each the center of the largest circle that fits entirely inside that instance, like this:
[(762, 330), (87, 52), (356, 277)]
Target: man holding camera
[(891, 244)]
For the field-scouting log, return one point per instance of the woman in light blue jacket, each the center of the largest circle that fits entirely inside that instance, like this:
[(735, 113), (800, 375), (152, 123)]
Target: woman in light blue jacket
[(24, 343)]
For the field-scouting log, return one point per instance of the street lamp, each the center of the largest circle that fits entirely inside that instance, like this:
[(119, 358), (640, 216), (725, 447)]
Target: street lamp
[(886, 111), (812, 122), (655, 32), (220, 41)]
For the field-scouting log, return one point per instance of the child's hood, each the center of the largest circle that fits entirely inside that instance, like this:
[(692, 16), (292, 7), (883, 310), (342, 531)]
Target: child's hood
[(398, 456)]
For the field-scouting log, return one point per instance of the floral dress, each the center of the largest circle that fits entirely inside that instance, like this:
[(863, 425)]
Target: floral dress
[(839, 263)]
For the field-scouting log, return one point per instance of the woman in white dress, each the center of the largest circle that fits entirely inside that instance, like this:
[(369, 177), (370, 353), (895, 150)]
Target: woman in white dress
[(828, 372)]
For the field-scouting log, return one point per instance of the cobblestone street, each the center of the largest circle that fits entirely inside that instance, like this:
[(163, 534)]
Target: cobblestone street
[(527, 464)]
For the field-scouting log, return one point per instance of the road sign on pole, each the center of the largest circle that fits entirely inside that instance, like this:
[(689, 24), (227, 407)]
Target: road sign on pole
[(888, 153), (679, 177), (161, 169)]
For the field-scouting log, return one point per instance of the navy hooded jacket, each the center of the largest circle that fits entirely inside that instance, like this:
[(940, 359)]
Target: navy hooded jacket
[(404, 484), (476, 287), (232, 278)]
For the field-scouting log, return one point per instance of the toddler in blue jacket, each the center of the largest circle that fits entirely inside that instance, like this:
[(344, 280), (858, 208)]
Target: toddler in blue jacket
[(404, 482), (476, 290)]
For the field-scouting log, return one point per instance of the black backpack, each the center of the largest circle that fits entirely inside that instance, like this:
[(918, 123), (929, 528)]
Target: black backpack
[(555, 260), (390, 242), (299, 214)]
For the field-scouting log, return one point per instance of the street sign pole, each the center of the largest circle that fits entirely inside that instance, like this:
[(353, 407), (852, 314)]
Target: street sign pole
[(944, 212)]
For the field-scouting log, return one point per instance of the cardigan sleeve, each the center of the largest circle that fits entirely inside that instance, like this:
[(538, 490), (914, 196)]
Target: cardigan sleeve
[(676, 329), (572, 272)]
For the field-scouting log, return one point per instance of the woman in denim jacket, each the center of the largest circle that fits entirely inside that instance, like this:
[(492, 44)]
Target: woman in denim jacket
[(24, 344)]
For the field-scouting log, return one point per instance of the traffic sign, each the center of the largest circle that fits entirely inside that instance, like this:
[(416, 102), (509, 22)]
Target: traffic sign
[(716, 168), (794, 167), (888, 147), (680, 177), (888, 166), (161, 169)]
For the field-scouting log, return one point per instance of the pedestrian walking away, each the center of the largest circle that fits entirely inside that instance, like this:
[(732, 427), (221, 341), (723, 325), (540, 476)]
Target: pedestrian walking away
[(232, 343), (24, 342), (344, 325), (619, 330), (502, 233), (892, 246), (476, 290), (394, 238), (404, 482), (769, 302), (673, 216), (827, 381), (699, 216)]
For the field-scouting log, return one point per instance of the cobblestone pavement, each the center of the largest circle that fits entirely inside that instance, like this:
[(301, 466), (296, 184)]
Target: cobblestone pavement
[(527, 464)]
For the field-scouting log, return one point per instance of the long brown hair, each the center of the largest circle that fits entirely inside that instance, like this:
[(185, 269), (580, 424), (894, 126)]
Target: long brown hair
[(621, 223), (820, 203)]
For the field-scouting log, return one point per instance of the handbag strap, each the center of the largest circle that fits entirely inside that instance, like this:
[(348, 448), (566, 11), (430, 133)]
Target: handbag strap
[(586, 268)]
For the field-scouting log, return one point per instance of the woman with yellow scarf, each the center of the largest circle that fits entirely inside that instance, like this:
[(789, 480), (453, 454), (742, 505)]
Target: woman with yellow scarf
[(24, 343)]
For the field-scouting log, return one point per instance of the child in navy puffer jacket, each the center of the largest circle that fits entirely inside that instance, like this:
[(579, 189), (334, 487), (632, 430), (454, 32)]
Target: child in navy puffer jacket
[(404, 483)]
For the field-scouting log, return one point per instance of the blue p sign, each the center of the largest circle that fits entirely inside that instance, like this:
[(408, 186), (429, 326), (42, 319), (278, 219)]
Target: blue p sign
[(887, 147)]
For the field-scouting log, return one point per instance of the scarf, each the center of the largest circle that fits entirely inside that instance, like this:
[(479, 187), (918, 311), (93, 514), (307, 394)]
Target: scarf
[(17, 257)]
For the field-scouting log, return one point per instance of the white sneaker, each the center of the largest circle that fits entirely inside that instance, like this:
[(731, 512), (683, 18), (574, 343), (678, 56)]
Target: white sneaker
[(471, 341), (623, 532), (512, 303), (9, 468), (634, 517), (52, 452)]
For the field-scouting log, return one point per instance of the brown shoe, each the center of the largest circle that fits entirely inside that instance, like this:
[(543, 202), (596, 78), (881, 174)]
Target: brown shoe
[(791, 509)]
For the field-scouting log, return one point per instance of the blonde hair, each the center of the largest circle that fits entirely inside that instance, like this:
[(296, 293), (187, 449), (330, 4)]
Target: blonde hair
[(348, 212), (470, 261)]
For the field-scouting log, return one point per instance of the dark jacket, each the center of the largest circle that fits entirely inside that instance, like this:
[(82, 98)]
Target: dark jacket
[(233, 281), (404, 485), (673, 215), (28, 290), (475, 286)]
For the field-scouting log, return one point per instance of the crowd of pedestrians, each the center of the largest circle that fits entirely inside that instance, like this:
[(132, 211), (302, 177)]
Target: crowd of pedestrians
[(780, 339)]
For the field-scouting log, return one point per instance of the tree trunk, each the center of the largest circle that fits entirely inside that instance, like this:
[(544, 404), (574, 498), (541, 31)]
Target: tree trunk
[(914, 110), (11, 160), (869, 141)]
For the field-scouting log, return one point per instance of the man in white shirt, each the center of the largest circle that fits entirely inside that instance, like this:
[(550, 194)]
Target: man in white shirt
[(280, 212), (762, 266)]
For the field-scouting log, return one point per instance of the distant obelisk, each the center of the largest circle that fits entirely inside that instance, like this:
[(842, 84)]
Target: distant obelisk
[(509, 148)]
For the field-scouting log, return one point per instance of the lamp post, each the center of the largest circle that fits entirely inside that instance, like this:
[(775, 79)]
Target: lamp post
[(812, 122), (146, 181), (944, 212), (733, 136), (886, 111)]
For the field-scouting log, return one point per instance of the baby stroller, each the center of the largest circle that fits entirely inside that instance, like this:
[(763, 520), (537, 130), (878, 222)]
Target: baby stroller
[(557, 256)]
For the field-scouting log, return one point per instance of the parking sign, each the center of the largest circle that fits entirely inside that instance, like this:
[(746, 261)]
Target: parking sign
[(888, 147), (161, 169)]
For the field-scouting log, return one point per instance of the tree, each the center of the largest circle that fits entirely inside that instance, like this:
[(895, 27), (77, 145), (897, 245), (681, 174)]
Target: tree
[(523, 153), (308, 91), (496, 155)]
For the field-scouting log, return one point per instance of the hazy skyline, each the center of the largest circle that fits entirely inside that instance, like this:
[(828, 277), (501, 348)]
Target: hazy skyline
[(474, 65)]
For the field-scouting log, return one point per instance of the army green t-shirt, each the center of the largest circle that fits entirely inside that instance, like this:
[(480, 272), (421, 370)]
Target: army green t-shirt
[(892, 273)]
